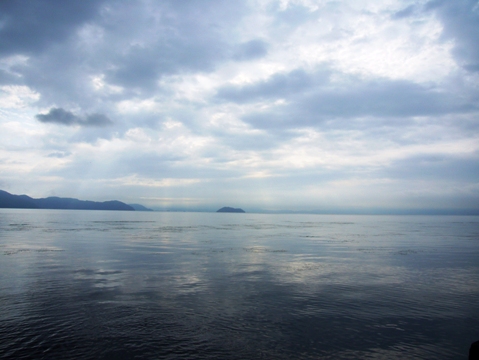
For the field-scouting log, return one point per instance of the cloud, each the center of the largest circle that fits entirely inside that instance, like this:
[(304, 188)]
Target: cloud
[(250, 50), (277, 86), (461, 21), (405, 13), (299, 98), (131, 47), (31, 29), (7, 78), (64, 117), (437, 166), (271, 101), (59, 154), (180, 39)]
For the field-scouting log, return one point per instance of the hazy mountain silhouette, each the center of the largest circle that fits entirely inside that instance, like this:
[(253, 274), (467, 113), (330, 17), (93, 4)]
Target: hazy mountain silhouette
[(230, 210), (8, 200), (139, 207)]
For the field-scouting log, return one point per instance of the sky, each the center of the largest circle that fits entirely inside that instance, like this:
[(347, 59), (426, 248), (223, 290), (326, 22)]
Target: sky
[(297, 105)]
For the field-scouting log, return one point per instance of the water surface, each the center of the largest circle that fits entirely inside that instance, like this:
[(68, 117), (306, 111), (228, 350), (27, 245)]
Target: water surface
[(121, 285)]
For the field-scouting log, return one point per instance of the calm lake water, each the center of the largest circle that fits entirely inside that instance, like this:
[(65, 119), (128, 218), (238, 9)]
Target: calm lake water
[(124, 285)]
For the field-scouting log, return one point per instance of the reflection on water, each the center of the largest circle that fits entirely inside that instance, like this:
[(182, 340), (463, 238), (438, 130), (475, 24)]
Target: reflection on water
[(98, 284)]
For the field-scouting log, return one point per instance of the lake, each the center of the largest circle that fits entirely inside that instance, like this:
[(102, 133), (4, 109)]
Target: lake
[(171, 285)]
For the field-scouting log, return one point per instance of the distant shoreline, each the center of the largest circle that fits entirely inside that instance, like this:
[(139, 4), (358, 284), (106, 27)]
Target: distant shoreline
[(10, 201)]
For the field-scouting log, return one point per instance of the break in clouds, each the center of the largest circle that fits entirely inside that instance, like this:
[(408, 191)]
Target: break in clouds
[(262, 104)]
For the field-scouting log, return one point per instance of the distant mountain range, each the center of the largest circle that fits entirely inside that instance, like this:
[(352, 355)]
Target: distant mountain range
[(8, 200), (139, 207), (230, 210)]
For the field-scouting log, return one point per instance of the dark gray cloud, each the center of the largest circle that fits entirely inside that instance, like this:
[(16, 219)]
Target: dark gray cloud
[(182, 37), (8, 78), (384, 98), (133, 45), (141, 68), (435, 167), (64, 117), (250, 50), (30, 27), (404, 13), (59, 154), (460, 19), (312, 98), (277, 86)]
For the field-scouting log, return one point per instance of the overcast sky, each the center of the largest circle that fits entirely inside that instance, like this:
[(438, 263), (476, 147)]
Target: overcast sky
[(271, 104)]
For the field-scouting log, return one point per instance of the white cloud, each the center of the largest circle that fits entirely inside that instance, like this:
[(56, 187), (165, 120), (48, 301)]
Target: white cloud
[(16, 96)]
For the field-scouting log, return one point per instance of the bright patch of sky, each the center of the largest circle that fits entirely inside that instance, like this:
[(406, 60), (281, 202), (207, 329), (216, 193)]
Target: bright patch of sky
[(261, 104)]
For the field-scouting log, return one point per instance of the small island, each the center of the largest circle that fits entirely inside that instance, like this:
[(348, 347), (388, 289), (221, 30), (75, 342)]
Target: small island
[(227, 209)]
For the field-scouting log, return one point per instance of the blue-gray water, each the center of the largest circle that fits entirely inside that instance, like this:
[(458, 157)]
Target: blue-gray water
[(122, 285)]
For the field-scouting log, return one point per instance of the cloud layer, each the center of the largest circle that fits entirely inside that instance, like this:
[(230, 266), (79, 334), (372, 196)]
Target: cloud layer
[(272, 104)]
